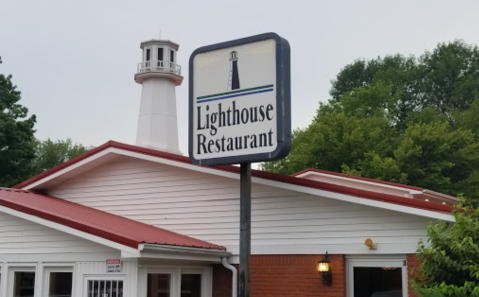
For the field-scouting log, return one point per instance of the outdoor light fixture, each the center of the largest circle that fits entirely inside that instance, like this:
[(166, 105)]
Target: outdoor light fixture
[(370, 244), (324, 268)]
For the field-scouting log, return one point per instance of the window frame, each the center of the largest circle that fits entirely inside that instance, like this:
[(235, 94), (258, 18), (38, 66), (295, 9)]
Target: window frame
[(112, 277), (375, 261), (162, 53), (56, 268), (147, 54), (175, 278), (21, 268)]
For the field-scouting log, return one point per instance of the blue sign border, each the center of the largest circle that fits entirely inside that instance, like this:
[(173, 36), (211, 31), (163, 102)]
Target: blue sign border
[(283, 101)]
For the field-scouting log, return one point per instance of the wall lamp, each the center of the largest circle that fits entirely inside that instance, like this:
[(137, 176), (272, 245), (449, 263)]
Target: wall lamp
[(370, 244), (324, 268)]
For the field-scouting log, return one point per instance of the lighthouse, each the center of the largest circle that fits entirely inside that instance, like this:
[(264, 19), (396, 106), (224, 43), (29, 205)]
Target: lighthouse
[(159, 74), (233, 79)]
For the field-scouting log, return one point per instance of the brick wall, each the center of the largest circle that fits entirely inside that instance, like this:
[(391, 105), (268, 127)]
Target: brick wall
[(412, 265), (285, 275), (222, 281)]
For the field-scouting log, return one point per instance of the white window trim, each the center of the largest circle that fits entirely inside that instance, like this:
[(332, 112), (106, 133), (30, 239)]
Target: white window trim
[(21, 268), (56, 268), (375, 261), (87, 278), (175, 281), (206, 279)]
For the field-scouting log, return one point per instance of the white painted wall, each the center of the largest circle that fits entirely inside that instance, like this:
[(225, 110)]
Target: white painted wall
[(19, 236), (157, 122), (207, 207), (26, 245), (97, 270)]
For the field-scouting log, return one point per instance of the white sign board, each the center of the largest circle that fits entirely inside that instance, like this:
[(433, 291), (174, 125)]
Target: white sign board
[(240, 101), (113, 266)]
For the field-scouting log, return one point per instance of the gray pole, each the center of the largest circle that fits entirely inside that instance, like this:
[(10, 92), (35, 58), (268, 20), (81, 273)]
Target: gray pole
[(245, 228)]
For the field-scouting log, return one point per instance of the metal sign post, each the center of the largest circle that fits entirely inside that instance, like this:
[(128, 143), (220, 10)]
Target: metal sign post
[(245, 228), (239, 113)]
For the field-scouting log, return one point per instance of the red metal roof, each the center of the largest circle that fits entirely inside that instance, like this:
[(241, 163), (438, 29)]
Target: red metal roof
[(364, 194), (108, 226), (358, 178)]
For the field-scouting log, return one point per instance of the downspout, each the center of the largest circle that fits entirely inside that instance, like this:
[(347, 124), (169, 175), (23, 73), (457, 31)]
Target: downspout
[(234, 290)]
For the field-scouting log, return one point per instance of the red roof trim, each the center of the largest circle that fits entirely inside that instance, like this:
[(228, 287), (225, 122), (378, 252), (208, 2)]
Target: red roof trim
[(358, 178), (431, 206), (96, 222), (109, 144)]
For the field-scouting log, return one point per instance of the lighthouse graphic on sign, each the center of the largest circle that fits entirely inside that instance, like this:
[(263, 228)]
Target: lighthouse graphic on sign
[(233, 79)]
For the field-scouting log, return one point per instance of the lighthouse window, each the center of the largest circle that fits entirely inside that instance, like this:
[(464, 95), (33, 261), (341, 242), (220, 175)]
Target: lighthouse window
[(148, 54), (160, 54), (172, 56)]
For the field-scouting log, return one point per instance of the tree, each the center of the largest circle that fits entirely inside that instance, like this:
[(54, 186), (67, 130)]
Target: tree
[(446, 78), (49, 154), (399, 119), (449, 260), (16, 135)]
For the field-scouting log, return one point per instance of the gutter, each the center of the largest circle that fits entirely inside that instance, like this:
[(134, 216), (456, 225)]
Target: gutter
[(234, 283), (182, 249)]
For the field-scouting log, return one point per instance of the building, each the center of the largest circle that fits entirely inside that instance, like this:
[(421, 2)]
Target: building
[(142, 220)]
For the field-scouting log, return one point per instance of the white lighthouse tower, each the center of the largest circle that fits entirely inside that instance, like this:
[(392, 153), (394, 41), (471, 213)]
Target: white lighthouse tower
[(159, 74)]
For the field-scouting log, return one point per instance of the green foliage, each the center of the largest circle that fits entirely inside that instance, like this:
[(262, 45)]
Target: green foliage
[(446, 78), (400, 119), (49, 154), (21, 155), (449, 260), (16, 135)]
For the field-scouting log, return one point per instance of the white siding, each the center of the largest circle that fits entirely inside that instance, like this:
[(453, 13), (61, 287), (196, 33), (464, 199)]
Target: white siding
[(83, 270), (205, 206), (20, 236)]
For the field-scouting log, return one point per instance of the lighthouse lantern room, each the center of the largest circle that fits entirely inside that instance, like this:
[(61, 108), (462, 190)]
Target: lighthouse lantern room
[(159, 74)]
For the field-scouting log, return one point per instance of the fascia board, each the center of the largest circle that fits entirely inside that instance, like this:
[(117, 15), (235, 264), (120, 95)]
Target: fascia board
[(296, 188), (378, 185), (69, 230), (352, 199), (277, 184), (68, 169)]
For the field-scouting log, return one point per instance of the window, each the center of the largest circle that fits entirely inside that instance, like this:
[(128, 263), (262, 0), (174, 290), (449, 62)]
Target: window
[(104, 288), (160, 54), (172, 56), (377, 277), (377, 281), (23, 283), (58, 282), (179, 282), (191, 285), (159, 285), (147, 54)]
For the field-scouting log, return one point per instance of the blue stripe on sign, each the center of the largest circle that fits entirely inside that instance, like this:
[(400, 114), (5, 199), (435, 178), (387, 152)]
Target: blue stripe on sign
[(236, 95)]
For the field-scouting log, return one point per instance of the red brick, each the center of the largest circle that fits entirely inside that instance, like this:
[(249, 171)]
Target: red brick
[(286, 276)]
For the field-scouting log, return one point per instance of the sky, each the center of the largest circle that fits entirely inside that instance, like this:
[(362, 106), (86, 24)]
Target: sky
[(74, 61)]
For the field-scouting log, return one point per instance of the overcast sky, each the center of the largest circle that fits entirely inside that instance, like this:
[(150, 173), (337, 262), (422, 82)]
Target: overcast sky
[(74, 61)]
